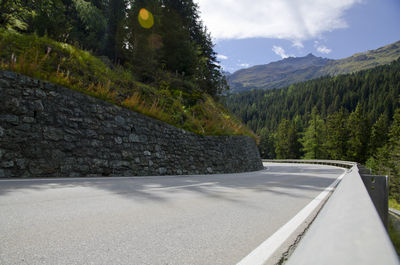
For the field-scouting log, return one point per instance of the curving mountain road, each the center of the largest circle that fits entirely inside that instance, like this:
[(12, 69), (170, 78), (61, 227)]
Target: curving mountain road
[(208, 219)]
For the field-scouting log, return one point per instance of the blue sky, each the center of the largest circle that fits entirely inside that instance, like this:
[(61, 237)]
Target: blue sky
[(248, 33)]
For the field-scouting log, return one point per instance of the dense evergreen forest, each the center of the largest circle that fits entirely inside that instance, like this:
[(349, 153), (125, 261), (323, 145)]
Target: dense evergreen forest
[(353, 117), (153, 38)]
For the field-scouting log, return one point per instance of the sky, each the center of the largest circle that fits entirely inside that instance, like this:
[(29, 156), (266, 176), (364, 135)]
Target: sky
[(248, 33)]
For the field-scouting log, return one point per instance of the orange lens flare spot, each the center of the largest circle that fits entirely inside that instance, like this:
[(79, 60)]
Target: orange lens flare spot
[(145, 18), (144, 14)]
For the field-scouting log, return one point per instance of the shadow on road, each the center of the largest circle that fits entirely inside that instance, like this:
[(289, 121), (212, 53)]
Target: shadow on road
[(291, 181)]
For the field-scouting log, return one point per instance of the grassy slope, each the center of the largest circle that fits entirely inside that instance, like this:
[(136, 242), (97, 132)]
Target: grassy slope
[(364, 60), (66, 65), (393, 229)]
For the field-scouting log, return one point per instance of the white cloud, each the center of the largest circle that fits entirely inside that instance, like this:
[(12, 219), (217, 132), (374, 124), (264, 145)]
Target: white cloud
[(324, 49), (294, 20), (245, 65), (280, 51), (222, 57), (298, 44)]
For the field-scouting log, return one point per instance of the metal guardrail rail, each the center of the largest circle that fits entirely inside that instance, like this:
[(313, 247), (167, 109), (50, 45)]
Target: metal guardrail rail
[(348, 229), (394, 211), (338, 163)]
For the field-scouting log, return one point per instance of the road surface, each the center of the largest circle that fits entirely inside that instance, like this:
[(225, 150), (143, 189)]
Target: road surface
[(208, 219)]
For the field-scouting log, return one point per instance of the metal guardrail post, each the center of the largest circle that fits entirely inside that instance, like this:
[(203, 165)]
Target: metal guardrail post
[(378, 190), (377, 187)]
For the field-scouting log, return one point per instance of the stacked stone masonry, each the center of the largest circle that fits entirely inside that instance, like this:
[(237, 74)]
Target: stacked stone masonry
[(51, 131)]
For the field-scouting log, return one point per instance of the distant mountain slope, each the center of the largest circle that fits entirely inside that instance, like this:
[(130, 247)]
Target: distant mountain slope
[(363, 60), (277, 74), (293, 70)]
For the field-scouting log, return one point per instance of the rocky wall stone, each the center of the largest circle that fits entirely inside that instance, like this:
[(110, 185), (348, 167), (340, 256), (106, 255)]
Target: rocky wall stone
[(51, 131)]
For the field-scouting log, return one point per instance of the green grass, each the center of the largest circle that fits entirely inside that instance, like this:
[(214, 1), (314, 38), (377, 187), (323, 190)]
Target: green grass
[(393, 230), (394, 204), (66, 65), (394, 233)]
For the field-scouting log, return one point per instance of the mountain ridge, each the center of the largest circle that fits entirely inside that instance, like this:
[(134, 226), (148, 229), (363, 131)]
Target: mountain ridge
[(298, 69)]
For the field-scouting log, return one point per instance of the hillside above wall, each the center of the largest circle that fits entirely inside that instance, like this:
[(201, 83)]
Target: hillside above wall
[(298, 69), (168, 97), (48, 130)]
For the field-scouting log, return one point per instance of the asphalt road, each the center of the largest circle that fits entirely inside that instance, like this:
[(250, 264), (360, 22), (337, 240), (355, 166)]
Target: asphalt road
[(210, 219)]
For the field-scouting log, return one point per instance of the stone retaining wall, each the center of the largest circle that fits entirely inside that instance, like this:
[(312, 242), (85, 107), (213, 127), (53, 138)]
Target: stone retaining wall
[(51, 131)]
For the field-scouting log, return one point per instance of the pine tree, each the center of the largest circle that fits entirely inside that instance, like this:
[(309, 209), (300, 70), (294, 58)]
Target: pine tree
[(179, 50), (90, 25), (386, 160), (357, 126), (314, 137), (116, 16), (287, 142), (15, 15), (50, 19), (337, 135), (394, 146), (266, 145), (142, 56), (379, 134)]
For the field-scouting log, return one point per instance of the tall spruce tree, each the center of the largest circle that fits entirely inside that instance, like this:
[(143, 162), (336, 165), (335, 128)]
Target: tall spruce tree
[(267, 145), (90, 26), (287, 142), (115, 16), (179, 50), (386, 160), (359, 134), (337, 135), (142, 55), (314, 137), (394, 145), (50, 20), (379, 134)]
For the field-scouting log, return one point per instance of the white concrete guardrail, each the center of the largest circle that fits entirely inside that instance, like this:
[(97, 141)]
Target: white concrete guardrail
[(348, 229)]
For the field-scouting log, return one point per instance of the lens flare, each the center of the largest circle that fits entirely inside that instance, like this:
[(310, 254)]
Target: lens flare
[(146, 19), (144, 14)]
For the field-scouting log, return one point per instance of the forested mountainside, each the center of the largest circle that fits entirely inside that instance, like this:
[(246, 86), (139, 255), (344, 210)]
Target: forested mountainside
[(352, 117), (375, 90), (277, 74), (293, 70), (154, 57)]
